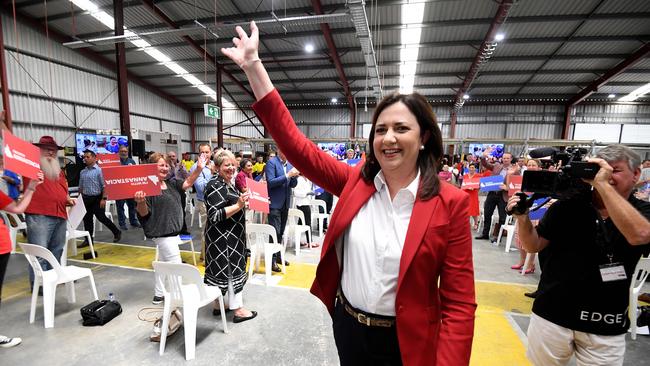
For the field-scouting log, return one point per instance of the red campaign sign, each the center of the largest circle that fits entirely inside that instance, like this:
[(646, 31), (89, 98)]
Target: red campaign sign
[(106, 160), (470, 183), (121, 182), (21, 157), (259, 196), (515, 184)]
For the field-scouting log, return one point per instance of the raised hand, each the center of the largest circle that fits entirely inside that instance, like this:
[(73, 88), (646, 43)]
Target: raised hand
[(139, 196), (245, 51)]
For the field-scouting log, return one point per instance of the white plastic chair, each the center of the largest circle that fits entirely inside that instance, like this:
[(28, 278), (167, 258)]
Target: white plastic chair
[(316, 214), (258, 235), (191, 208), (50, 279), (71, 236), (295, 230), (13, 230), (184, 288), (640, 275), (509, 227)]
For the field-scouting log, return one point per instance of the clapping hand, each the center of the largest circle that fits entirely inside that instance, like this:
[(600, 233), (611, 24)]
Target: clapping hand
[(245, 51)]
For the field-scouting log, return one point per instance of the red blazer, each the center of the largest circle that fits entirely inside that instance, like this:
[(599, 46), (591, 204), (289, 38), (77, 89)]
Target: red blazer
[(435, 302)]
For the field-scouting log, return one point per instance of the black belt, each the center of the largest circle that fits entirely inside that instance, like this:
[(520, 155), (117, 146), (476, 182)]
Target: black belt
[(367, 319)]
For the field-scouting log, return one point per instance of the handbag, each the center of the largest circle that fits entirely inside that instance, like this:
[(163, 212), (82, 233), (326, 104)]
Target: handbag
[(175, 321), (100, 312)]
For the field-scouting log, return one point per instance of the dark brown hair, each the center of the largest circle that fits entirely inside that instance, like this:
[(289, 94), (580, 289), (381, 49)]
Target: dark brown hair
[(429, 157)]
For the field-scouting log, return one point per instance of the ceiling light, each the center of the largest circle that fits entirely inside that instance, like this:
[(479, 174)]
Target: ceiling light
[(611, 96), (465, 96), (334, 100), (636, 94), (309, 48), (412, 16), (499, 37)]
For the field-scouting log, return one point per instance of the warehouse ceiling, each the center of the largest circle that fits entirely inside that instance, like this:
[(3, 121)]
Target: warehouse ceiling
[(535, 52)]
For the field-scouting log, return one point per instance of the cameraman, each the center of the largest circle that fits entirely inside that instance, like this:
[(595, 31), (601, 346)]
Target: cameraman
[(591, 247)]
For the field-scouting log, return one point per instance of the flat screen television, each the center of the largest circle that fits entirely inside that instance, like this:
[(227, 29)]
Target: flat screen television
[(477, 149), (100, 144)]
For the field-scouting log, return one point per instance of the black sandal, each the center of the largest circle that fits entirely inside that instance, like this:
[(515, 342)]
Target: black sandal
[(217, 312), (239, 319)]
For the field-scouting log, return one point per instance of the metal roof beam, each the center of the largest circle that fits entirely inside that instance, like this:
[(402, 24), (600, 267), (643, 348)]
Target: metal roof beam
[(623, 66), (93, 56), (384, 27), (334, 53), (488, 41)]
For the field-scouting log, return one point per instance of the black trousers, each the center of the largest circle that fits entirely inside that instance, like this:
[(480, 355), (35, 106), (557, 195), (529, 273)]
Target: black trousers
[(492, 201), (278, 219), (306, 210), (93, 209), (4, 261), (358, 344)]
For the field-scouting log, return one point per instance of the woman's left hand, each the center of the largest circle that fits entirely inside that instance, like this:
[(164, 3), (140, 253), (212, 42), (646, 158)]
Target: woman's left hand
[(245, 50)]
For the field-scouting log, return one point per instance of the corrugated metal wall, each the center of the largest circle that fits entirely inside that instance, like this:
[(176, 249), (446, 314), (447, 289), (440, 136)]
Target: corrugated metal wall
[(78, 94)]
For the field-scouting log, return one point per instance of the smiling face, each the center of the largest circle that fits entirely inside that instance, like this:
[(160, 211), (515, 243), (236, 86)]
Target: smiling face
[(227, 169), (397, 140), (248, 168), (163, 168)]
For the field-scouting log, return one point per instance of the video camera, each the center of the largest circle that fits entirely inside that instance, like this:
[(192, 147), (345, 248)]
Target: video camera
[(564, 183)]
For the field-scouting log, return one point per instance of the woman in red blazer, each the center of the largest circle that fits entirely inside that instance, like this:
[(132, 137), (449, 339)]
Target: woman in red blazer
[(396, 269)]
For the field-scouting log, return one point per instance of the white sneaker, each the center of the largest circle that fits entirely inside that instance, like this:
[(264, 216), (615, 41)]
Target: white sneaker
[(6, 342)]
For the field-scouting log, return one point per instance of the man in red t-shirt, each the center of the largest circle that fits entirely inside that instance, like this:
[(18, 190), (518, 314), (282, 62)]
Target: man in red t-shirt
[(7, 204), (46, 216)]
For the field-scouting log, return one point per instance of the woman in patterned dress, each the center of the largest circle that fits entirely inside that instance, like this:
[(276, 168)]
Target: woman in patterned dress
[(225, 236)]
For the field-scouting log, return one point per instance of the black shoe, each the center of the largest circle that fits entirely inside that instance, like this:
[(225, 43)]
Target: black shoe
[(481, 237), (157, 300), (532, 294), (117, 237), (135, 224), (247, 253), (217, 312), (279, 262), (239, 319), (123, 227), (276, 268), (84, 244)]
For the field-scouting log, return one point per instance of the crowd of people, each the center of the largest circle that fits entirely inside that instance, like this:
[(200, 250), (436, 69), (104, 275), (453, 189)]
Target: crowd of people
[(396, 271)]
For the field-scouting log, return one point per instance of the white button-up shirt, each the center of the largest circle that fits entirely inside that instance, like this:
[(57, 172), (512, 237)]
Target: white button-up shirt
[(372, 248)]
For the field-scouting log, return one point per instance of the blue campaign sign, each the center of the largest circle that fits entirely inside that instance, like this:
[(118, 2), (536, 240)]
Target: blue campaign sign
[(537, 214), (353, 162), (492, 183)]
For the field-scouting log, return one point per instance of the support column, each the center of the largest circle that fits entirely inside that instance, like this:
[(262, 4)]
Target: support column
[(219, 98), (192, 131), (567, 121), (452, 130), (122, 78), (3, 80)]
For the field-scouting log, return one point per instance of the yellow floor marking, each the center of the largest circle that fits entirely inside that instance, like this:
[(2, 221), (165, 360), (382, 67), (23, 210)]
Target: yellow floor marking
[(495, 341)]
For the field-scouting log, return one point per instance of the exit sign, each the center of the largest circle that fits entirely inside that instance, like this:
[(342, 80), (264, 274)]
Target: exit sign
[(210, 110)]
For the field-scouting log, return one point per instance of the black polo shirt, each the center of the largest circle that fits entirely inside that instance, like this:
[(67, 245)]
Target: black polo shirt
[(571, 291)]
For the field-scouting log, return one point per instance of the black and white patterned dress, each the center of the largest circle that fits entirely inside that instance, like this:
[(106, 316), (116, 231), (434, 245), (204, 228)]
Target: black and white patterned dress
[(225, 238)]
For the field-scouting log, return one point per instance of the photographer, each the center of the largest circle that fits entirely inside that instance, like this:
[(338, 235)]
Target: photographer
[(591, 247)]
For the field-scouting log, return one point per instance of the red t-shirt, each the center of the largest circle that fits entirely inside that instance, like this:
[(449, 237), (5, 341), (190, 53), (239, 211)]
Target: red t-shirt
[(5, 238), (50, 198)]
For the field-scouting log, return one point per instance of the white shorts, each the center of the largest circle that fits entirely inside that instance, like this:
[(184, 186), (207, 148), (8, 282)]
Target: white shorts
[(550, 344)]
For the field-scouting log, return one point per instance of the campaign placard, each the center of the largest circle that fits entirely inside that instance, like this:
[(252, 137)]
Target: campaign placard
[(491, 183), (537, 213), (121, 182), (353, 162), (514, 185), (470, 183), (259, 196), (106, 160), (20, 156)]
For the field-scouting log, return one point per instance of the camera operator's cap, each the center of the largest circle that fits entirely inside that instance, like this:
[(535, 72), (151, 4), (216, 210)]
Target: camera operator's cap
[(48, 141)]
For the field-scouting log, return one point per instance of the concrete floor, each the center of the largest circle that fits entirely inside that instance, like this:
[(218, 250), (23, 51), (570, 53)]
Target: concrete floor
[(292, 328)]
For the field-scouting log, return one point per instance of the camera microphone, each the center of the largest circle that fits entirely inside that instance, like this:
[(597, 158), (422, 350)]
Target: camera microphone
[(542, 152)]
